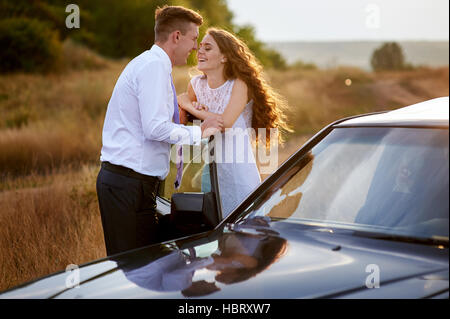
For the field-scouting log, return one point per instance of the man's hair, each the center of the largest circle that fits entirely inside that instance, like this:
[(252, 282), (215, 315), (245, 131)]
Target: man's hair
[(172, 18)]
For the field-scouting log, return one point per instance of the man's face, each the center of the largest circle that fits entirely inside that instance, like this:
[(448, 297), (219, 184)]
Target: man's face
[(186, 44)]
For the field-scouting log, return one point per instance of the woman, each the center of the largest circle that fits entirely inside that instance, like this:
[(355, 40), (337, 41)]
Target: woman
[(232, 85)]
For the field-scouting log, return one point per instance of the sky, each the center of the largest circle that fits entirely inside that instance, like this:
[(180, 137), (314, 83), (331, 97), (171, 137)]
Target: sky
[(328, 20)]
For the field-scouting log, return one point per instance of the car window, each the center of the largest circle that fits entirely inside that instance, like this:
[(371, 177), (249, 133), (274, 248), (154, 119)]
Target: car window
[(390, 179), (196, 176)]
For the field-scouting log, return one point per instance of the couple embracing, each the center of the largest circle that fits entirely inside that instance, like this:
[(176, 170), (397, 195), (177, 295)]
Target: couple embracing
[(145, 116)]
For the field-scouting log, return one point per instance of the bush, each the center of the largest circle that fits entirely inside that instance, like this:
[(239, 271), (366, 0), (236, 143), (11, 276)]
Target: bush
[(300, 65), (28, 45), (19, 117), (388, 57), (78, 57)]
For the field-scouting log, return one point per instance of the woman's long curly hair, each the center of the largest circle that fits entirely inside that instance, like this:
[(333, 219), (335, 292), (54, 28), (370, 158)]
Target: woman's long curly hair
[(268, 105)]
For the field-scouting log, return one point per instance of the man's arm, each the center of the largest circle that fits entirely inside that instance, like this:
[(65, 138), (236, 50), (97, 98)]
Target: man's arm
[(152, 93)]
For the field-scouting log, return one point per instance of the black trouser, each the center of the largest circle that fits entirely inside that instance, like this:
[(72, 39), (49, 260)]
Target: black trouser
[(128, 209)]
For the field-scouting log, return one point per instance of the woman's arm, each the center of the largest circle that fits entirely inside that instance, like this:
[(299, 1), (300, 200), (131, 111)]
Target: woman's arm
[(186, 100), (237, 103)]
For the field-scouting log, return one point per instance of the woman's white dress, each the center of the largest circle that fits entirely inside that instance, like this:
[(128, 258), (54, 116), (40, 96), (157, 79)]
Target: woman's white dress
[(237, 171)]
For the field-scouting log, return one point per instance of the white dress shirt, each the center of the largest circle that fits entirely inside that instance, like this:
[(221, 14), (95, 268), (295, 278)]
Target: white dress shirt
[(138, 127)]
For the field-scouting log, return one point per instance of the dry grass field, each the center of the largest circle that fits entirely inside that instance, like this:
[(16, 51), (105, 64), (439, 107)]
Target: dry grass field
[(50, 140)]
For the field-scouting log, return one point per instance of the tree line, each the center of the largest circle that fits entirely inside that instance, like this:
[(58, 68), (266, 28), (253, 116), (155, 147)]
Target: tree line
[(31, 32)]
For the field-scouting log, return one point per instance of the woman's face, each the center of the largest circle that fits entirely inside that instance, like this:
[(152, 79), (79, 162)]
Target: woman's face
[(208, 55)]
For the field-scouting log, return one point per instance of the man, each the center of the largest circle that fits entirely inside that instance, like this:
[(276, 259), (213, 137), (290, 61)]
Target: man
[(139, 129)]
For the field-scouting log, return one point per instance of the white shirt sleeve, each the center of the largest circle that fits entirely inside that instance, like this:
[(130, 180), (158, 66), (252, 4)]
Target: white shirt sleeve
[(153, 95)]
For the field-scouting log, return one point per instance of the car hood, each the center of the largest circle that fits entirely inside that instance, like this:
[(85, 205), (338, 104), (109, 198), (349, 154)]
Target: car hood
[(269, 260)]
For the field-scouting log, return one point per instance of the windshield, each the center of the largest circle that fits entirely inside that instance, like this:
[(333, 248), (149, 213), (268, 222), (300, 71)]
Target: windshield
[(389, 180)]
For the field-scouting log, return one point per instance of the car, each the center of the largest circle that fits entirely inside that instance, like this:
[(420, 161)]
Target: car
[(361, 210)]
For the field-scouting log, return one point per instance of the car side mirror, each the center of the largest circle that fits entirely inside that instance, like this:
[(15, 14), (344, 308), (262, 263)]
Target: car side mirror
[(193, 213), (197, 212)]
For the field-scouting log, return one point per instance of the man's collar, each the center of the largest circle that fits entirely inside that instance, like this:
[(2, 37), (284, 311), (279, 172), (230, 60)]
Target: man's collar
[(156, 49)]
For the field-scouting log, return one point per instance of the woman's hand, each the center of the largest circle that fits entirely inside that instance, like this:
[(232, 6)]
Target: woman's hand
[(187, 102), (188, 105), (199, 107)]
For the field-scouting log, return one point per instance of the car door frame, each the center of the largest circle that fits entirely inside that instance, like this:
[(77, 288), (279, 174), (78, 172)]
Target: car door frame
[(164, 205)]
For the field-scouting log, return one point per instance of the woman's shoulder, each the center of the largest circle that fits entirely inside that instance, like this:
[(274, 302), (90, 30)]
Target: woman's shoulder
[(198, 83), (240, 86), (240, 83), (198, 78)]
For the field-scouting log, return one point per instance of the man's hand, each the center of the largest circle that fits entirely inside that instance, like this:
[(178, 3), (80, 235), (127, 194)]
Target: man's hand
[(212, 125)]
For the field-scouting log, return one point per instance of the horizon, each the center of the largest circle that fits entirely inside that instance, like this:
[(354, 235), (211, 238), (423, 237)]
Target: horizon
[(358, 53), (350, 41)]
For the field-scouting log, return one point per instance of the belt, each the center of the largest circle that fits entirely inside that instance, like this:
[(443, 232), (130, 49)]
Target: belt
[(125, 171)]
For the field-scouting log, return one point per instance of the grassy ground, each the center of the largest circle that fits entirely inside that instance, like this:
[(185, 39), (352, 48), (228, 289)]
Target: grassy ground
[(50, 140)]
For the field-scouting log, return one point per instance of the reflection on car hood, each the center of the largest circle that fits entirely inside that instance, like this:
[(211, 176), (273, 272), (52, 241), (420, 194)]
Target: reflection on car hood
[(275, 260)]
